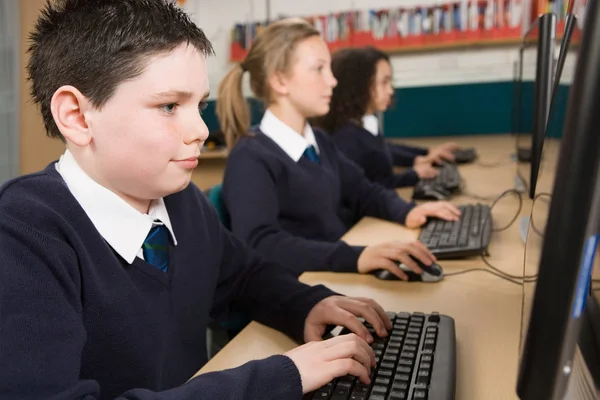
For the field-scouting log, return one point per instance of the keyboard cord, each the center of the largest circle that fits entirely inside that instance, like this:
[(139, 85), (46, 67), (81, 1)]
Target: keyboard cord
[(494, 164), (492, 269)]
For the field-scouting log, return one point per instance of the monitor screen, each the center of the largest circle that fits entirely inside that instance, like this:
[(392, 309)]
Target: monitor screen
[(560, 348), (531, 93)]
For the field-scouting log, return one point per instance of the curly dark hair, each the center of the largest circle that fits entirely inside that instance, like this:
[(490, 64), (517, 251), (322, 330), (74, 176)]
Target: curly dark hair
[(95, 45), (355, 70)]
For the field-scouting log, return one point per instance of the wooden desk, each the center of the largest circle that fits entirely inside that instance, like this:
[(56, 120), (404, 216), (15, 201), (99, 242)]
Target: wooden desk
[(487, 310)]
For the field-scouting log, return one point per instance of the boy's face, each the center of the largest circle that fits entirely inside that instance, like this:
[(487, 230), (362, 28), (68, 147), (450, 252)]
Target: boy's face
[(146, 139)]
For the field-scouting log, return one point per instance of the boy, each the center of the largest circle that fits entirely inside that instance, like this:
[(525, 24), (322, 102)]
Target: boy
[(111, 262)]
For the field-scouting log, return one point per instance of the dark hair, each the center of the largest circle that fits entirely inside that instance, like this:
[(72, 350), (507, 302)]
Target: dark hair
[(355, 70), (95, 45)]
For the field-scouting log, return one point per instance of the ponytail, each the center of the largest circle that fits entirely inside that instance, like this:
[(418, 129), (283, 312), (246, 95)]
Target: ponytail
[(233, 111)]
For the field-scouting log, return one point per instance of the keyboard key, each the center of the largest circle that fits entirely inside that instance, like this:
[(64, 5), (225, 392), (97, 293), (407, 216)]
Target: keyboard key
[(384, 373), (382, 381), (393, 351), (406, 362), (394, 345), (360, 388), (420, 394), (403, 370), (398, 395), (400, 385), (426, 358), (321, 394), (379, 389), (425, 366), (376, 397), (341, 394), (423, 377), (357, 396)]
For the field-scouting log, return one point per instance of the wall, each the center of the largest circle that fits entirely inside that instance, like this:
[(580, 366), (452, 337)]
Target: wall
[(9, 130), (428, 85), (36, 150)]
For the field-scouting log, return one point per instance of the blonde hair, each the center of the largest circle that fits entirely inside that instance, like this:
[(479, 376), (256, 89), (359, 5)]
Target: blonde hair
[(272, 51)]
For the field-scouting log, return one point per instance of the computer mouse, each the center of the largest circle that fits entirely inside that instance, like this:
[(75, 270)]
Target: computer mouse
[(431, 193), (431, 273), (464, 155)]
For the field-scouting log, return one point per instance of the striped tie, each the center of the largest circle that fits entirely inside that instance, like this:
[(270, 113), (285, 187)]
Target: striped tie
[(156, 247)]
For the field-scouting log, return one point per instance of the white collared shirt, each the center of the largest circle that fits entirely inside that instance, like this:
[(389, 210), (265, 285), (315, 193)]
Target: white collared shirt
[(292, 143), (371, 123), (123, 227)]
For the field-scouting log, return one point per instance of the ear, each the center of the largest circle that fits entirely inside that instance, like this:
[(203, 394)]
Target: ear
[(278, 83), (68, 106)]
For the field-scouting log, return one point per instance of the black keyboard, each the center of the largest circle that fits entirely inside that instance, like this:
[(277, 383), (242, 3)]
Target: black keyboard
[(464, 238), (416, 361), (448, 180)]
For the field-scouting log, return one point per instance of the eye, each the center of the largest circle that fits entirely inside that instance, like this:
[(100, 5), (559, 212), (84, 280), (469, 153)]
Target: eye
[(202, 106), (169, 108)]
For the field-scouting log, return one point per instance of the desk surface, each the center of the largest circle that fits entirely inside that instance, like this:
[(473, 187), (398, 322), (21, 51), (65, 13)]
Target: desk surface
[(487, 310)]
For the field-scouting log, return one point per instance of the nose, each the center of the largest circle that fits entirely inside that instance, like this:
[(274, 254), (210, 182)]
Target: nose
[(197, 131), (333, 82)]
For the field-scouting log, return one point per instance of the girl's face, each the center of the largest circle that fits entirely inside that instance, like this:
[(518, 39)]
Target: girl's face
[(382, 90), (309, 83)]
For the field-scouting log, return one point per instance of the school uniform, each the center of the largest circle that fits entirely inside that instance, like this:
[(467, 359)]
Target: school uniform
[(291, 197), (94, 306), (402, 155), (368, 149)]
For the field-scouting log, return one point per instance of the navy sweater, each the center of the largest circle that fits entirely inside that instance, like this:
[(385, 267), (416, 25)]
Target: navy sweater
[(296, 213), (404, 155), (78, 322), (372, 154)]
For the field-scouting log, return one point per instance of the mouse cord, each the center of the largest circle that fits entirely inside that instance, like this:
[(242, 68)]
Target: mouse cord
[(491, 268), (464, 192), (494, 164), (547, 197)]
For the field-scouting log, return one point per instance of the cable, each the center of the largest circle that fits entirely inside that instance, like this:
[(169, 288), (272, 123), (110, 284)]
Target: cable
[(494, 164), (464, 192), (537, 196), (499, 275)]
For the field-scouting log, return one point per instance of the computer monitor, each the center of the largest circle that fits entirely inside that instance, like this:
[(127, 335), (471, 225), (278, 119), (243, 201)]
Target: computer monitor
[(542, 93), (531, 97), (561, 346)]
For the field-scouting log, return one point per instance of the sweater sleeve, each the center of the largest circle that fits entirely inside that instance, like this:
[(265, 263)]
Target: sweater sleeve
[(404, 179), (375, 163), (404, 156), (42, 333), (368, 198), (253, 208)]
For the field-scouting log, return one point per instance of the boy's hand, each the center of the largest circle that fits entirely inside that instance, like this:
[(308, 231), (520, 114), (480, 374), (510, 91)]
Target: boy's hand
[(343, 311), (439, 209), (387, 255), (320, 362)]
